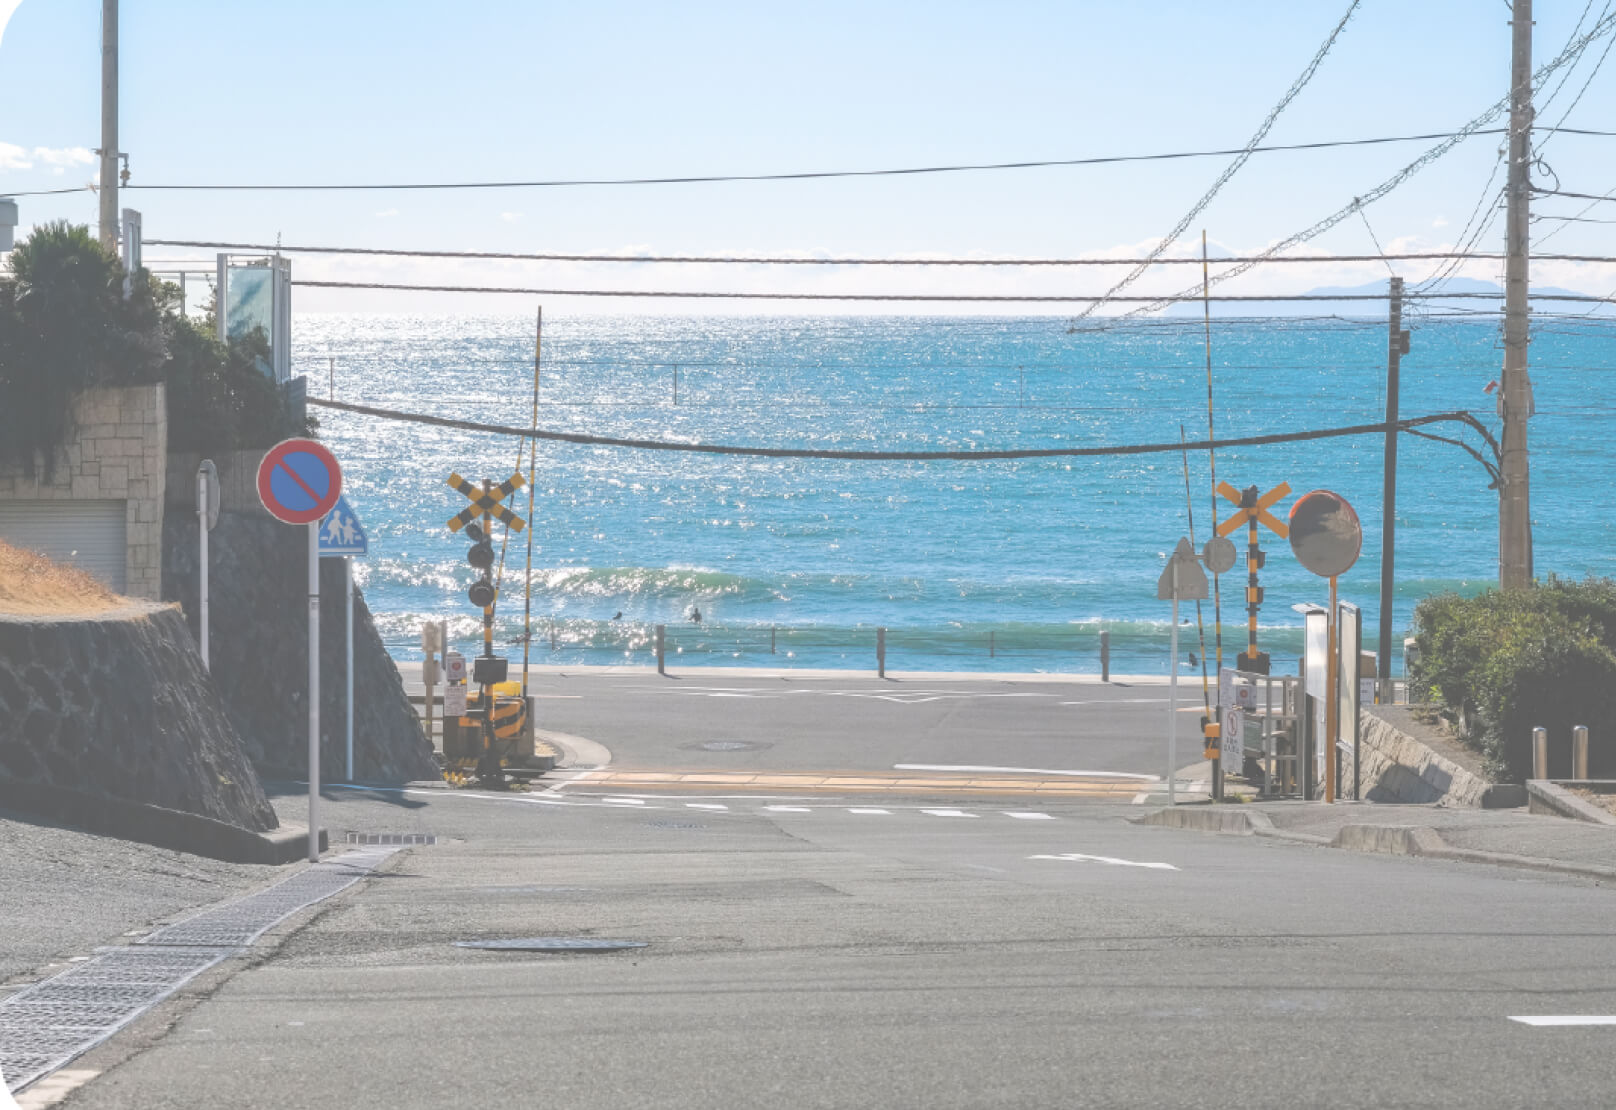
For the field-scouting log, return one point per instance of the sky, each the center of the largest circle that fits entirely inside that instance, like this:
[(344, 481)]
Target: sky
[(408, 91)]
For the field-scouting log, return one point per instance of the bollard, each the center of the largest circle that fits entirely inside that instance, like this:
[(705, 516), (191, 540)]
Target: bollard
[(552, 636), (1540, 753), (1579, 753), (880, 653), (1105, 656), (661, 656), (772, 631), (991, 652)]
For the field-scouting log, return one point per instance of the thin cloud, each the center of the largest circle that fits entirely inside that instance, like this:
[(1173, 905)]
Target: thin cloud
[(13, 157), (387, 213), (510, 217)]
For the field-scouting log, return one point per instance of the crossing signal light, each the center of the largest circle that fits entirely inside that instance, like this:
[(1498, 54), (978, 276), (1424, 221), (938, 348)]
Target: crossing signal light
[(481, 593), (481, 556)]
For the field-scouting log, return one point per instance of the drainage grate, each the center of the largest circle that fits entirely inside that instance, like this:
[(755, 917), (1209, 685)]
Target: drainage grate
[(391, 838), (49, 1023), (552, 944)]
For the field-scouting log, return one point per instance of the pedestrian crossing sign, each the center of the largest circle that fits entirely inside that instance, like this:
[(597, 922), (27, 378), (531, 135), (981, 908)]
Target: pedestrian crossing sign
[(341, 532)]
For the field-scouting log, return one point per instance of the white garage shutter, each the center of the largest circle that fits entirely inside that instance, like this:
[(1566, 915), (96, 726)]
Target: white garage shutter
[(90, 535)]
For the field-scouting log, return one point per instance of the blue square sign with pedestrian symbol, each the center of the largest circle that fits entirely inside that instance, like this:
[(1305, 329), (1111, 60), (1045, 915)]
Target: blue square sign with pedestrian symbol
[(341, 533)]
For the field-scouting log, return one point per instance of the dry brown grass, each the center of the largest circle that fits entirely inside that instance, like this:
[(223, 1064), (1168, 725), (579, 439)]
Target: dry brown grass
[(32, 585)]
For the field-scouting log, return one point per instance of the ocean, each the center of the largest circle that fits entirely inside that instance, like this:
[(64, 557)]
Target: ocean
[(970, 566)]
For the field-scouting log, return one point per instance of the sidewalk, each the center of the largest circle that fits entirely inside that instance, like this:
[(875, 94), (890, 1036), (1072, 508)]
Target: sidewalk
[(1510, 838)]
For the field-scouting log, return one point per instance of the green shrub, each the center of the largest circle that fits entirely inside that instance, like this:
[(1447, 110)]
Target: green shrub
[(66, 326), (1503, 663)]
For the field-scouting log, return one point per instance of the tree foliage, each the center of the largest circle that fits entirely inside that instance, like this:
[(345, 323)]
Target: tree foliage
[(1505, 662), (66, 326)]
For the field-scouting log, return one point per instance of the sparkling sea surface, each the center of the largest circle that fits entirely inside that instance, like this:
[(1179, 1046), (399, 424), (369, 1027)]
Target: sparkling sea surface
[(980, 566)]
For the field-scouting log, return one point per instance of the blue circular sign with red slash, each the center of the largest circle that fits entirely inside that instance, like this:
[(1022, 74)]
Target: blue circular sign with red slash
[(299, 481)]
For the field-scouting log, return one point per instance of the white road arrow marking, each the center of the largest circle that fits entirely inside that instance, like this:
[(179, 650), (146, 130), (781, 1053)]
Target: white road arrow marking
[(1568, 1019), (1079, 857)]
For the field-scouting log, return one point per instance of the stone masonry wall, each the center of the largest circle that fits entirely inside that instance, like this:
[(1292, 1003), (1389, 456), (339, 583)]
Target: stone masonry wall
[(117, 706), (120, 453), (258, 643)]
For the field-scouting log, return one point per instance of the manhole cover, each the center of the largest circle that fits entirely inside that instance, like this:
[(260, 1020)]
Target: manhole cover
[(728, 746), (551, 944)]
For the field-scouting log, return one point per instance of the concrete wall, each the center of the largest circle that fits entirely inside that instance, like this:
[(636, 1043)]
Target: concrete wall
[(119, 453), (238, 482), (1407, 761)]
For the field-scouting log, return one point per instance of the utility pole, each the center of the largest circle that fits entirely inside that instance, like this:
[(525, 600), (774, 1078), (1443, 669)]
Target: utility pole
[(109, 126), (1515, 398), (1396, 348)]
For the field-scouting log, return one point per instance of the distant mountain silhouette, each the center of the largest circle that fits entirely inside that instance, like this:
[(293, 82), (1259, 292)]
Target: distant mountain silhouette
[(1372, 309)]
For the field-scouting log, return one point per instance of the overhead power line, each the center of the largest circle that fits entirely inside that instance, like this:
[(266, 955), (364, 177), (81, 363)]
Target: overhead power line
[(766, 260), (1233, 167), (726, 294), (854, 454), (1572, 51), (802, 176)]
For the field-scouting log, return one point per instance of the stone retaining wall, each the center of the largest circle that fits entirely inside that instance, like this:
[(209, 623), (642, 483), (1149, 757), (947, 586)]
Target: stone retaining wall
[(1407, 761), (117, 706)]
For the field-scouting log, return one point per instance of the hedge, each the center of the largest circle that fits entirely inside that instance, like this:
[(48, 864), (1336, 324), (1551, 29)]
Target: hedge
[(1502, 663)]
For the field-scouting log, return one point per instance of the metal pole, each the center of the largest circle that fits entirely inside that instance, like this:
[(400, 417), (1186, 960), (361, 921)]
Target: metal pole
[(1105, 656), (202, 564), (532, 525), (1540, 753), (991, 651), (661, 654), (1579, 753), (429, 675), (880, 653), (772, 632), (1172, 705), (1332, 712), (347, 585), (1396, 344), (314, 692), (109, 126), (1515, 398)]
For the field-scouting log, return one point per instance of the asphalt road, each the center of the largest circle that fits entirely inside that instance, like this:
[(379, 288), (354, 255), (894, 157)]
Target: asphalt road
[(845, 952), (700, 721)]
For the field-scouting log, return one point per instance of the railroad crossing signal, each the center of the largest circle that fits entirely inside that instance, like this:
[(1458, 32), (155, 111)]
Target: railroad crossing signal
[(1252, 510), (487, 502)]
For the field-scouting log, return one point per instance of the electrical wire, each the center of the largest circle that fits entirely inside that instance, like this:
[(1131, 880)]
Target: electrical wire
[(1572, 51), (1234, 167), (587, 439), (911, 297), (766, 260)]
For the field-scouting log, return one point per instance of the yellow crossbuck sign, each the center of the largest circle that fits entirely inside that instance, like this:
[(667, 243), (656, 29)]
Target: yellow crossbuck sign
[(486, 502), (1254, 509)]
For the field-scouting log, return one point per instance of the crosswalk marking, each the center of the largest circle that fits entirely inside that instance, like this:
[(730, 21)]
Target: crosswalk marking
[(871, 811), (704, 805), (947, 813), (1029, 816), (788, 809)]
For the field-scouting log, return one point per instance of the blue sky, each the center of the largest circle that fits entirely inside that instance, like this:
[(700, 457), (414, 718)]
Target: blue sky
[(408, 91)]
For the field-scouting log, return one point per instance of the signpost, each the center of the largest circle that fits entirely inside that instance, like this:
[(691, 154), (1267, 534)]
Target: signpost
[(207, 515), (487, 670), (1252, 509), (1181, 580), (299, 481), (1326, 537), (342, 536)]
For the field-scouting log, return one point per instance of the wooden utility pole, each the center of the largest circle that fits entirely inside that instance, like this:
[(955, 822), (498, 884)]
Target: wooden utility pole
[(1396, 348), (109, 126), (1515, 398)]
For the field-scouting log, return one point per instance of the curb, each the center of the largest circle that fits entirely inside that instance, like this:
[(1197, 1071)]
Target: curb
[(159, 827), (1544, 796), (1400, 840)]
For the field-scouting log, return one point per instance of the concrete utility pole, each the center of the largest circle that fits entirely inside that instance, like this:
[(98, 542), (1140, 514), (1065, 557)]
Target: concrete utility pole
[(1515, 398), (1396, 348), (109, 126)]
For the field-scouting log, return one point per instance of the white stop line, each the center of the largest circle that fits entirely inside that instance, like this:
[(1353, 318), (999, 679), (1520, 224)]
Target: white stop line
[(1079, 857)]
